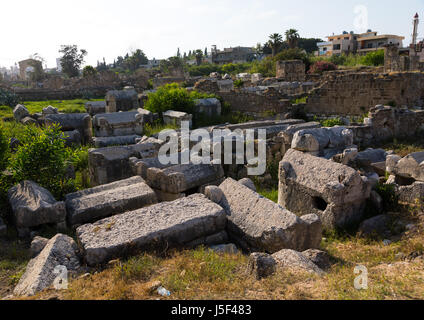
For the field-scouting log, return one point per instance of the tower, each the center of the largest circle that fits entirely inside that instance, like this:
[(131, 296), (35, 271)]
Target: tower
[(415, 32)]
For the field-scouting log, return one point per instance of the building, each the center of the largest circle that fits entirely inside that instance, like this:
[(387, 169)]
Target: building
[(27, 66), (362, 43), (232, 55)]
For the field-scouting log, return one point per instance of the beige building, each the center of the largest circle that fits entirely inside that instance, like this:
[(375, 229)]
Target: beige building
[(363, 43)]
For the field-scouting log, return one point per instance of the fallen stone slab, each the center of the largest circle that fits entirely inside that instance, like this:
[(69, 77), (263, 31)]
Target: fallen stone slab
[(375, 226), (215, 239), (72, 121), (40, 273), (171, 117), (32, 206), (111, 164), (295, 260), (318, 257), (210, 107), (259, 224), (72, 138), (49, 110), (118, 124), (181, 178), (411, 166), (366, 158), (412, 194), (335, 192), (163, 196), (20, 112), (141, 166), (95, 107), (101, 142), (103, 201), (160, 226)]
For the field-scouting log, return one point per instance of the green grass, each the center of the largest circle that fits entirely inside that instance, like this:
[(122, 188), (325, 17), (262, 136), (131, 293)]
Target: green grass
[(150, 130), (65, 106), (269, 194)]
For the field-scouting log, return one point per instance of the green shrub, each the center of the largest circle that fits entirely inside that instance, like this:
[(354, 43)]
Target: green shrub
[(388, 194), (173, 97), (4, 148), (43, 158), (328, 123), (8, 98), (375, 58), (238, 83)]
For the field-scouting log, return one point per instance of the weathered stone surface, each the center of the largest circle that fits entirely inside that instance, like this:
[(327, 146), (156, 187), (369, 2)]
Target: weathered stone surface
[(72, 137), (163, 196), (413, 194), (118, 124), (121, 100), (37, 245), (33, 205), (95, 107), (391, 162), (213, 193), (215, 239), (291, 259), (103, 201), (141, 166), (39, 275), (112, 163), (308, 184), (248, 183), (337, 138), (28, 121), (306, 143), (20, 112), (225, 248), (50, 110), (318, 257), (258, 224), (210, 107), (73, 121), (180, 178), (377, 201), (175, 117), (3, 228), (167, 224), (101, 142), (366, 158), (375, 226), (412, 166), (262, 265), (286, 136)]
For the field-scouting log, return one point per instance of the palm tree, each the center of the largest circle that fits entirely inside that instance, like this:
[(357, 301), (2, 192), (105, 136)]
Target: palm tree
[(275, 42), (292, 37)]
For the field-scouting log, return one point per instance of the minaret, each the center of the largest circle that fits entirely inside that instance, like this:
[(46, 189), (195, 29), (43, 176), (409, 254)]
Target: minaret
[(415, 33)]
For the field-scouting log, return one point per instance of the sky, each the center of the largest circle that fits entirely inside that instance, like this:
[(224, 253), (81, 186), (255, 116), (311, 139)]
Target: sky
[(108, 29)]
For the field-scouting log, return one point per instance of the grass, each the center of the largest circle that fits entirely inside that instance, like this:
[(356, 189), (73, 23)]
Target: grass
[(65, 106), (269, 194), (403, 147)]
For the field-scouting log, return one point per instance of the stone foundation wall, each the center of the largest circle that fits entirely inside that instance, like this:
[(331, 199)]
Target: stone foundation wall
[(64, 94), (353, 93)]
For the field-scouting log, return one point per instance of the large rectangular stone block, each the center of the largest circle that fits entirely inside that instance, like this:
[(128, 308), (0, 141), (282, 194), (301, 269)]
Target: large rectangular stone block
[(161, 226), (96, 203), (118, 124), (259, 224), (181, 178), (73, 121), (335, 192)]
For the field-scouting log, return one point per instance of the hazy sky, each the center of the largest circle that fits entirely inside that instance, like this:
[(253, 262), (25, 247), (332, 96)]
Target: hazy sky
[(107, 28)]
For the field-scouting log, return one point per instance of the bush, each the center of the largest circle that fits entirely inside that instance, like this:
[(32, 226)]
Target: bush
[(173, 97), (328, 123), (238, 83), (8, 98), (43, 158), (388, 194), (321, 66), (375, 58), (4, 149)]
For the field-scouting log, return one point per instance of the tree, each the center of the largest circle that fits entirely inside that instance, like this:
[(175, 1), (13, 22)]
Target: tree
[(308, 44), (71, 60), (89, 71), (136, 59), (275, 42), (206, 52), (292, 38), (199, 56), (178, 53)]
